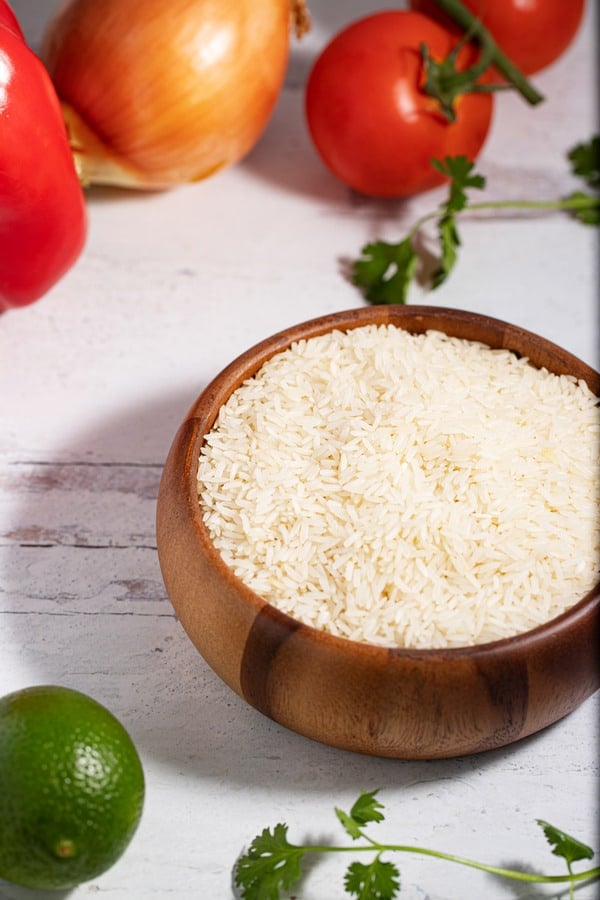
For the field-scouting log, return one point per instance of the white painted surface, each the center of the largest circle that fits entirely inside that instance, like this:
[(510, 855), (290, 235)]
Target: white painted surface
[(94, 382)]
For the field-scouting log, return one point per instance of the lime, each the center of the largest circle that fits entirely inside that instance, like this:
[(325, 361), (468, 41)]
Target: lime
[(71, 788)]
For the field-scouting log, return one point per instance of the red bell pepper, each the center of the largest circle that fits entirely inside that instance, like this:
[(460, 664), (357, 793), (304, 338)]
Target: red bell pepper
[(43, 220), (8, 18)]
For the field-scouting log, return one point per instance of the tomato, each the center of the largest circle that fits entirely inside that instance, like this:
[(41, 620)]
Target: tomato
[(532, 34), (372, 124)]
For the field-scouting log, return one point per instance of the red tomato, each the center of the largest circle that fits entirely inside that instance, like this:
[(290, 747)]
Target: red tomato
[(532, 34), (373, 126)]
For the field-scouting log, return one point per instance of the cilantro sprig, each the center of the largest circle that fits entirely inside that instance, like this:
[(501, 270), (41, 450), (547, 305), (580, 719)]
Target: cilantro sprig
[(385, 271), (585, 162), (273, 864)]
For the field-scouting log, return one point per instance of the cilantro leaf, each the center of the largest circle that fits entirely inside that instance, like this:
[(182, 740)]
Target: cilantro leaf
[(366, 809), (352, 827), (459, 170), (385, 271), (564, 845), (585, 161), (588, 213), (449, 244), (375, 881), (271, 864)]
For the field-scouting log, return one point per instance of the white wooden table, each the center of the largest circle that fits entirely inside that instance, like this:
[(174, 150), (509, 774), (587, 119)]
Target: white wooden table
[(95, 379)]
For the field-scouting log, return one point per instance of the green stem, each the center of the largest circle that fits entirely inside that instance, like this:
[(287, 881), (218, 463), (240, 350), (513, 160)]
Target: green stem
[(571, 886), (465, 18), (582, 201), (571, 878)]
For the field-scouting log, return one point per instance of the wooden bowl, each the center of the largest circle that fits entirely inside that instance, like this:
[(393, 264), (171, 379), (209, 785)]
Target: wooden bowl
[(407, 704)]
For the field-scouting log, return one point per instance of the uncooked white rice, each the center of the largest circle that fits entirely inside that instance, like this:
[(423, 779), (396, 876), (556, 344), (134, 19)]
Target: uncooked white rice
[(407, 490)]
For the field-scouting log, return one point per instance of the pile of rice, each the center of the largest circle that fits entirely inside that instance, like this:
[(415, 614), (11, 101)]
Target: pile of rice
[(407, 490)]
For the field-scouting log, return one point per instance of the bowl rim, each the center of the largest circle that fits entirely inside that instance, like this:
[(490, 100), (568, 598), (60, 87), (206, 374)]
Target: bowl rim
[(247, 363)]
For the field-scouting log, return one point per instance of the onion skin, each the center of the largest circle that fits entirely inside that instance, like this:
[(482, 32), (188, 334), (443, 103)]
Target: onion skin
[(159, 93)]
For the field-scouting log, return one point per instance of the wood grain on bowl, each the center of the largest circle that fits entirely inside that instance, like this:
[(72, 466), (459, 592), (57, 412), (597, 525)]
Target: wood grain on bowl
[(420, 704)]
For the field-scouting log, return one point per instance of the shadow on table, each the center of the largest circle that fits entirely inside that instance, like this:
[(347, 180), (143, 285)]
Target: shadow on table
[(13, 892)]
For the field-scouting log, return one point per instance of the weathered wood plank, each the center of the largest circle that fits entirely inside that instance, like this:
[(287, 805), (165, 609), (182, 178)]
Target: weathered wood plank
[(78, 504)]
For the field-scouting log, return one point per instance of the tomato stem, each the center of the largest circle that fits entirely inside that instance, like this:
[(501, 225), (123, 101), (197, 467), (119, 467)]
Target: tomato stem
[(491, 51)]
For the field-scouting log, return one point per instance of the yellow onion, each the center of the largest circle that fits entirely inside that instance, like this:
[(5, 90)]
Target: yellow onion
[(160, 92)]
